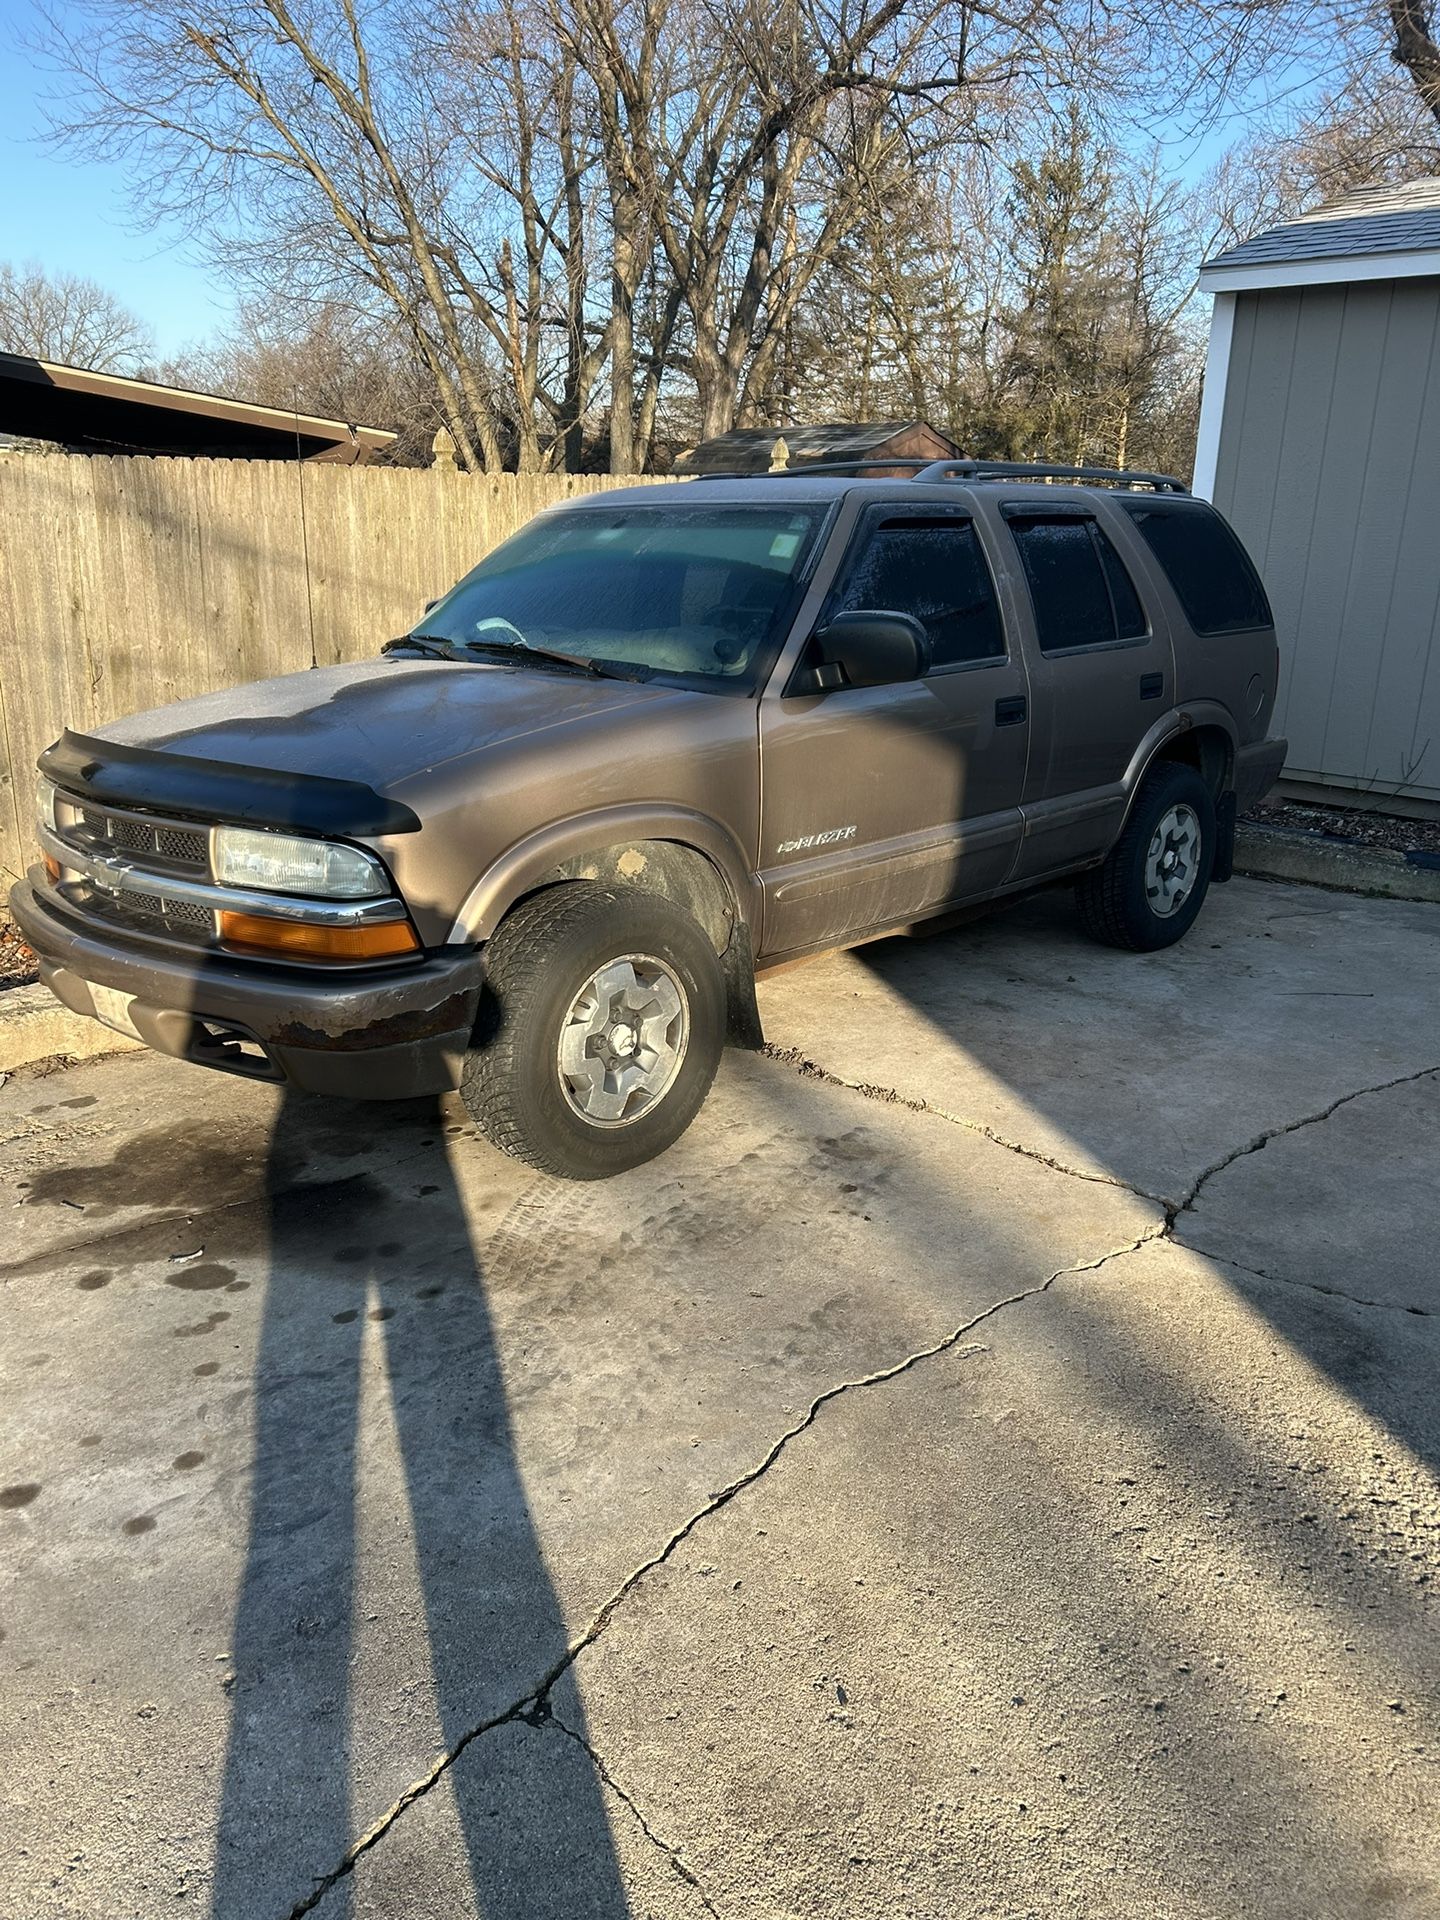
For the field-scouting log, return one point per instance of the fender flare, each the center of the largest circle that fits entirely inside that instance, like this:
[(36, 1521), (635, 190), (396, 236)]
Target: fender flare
[(1172, 726), (530, 862)]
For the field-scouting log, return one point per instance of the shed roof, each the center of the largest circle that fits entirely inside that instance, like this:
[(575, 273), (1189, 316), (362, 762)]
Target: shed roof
[(1375, 233), (749, 449), (91, 412)]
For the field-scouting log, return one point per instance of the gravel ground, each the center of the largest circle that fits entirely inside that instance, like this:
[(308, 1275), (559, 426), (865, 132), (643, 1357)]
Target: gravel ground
[(1364, 825), (17, 961)]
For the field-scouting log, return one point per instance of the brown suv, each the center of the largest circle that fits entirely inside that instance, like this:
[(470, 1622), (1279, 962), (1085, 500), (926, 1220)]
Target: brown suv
[(663, 738)]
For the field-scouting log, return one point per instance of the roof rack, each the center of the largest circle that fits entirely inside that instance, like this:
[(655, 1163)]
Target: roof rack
[(806, 467), (928, 471), (1044, 470)]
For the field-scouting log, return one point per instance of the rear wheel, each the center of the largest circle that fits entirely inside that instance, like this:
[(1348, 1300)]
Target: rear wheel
[(1152, 885), (607, 1023)]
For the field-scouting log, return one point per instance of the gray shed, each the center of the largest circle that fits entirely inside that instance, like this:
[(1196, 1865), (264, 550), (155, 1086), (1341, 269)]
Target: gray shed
[(1320, 440)]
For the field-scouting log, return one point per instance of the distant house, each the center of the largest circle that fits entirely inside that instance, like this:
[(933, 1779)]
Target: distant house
[(763, 449), (1320, 439), (88, 412)]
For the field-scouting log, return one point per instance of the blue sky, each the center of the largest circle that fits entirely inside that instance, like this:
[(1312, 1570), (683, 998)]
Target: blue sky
[(74, 219)]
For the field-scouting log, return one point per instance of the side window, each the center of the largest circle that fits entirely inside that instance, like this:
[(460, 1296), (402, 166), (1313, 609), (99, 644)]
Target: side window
[(1210, 571), (1082, 595), (933, 569)]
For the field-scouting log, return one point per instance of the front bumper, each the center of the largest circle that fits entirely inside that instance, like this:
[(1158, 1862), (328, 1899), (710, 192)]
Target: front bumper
[(378, 1033), (1257, 768)]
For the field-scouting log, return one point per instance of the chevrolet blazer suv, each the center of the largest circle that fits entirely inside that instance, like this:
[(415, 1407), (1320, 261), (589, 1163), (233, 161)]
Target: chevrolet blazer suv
[(660, 740)]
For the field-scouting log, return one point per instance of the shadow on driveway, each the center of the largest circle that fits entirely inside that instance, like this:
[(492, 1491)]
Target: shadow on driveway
[(320, 1512)]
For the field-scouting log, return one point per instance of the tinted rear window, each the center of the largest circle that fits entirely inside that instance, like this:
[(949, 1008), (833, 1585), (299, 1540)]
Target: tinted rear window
[(1210, 571), (1082, 595)]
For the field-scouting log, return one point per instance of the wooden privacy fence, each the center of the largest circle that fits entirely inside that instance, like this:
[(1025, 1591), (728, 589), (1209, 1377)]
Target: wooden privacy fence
[(126, 583)]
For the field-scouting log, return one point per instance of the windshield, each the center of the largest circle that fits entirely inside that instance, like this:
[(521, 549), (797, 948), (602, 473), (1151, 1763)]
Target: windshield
[(700, 592)]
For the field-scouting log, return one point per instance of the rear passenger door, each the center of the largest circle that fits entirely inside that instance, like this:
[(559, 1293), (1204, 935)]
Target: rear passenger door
[(882, 804), (1102, 674)]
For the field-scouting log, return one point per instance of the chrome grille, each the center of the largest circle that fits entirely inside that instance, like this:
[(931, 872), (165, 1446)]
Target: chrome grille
[(186, 913), (148, 913), (184, 844), (169, 843), (155, 850)]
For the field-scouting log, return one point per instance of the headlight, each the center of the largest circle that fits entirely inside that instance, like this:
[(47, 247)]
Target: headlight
[(45, 804), (288, 863)]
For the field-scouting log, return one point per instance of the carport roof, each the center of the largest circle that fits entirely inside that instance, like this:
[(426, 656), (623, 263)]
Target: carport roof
[(91, 412), (1377, 233)]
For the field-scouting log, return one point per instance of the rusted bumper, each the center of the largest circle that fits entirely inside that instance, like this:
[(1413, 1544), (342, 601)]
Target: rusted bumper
[(371, 1034)]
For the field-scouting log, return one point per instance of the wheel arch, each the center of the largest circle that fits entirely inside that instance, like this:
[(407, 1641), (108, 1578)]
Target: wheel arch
[(1202, 736), (684, 857)]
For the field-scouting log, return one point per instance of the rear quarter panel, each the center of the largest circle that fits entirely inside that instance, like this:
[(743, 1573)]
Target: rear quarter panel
[(1236, 671)]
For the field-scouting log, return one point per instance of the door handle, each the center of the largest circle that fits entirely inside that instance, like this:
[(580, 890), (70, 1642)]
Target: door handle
[(1011, 712), (1152, 685)]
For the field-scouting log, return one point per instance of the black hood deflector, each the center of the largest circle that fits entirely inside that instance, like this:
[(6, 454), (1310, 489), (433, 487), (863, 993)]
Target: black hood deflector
[(155, 781)]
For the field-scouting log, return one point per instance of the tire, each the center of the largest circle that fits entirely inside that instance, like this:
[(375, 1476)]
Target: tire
[(633, 1087), (1124, 901)]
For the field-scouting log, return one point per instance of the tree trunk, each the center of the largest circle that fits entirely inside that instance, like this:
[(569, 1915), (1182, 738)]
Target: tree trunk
[(1416, 50), (717, 404), (622, 381)]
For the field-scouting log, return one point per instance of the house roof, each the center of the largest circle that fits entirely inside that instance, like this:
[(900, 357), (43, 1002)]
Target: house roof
[(749, 449), (1376, 233), (90, 412)]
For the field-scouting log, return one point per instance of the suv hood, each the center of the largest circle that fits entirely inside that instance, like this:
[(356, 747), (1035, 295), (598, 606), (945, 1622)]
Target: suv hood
[(380, 722)]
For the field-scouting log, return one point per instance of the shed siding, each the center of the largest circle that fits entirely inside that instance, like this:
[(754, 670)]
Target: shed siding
[(1329, 469)]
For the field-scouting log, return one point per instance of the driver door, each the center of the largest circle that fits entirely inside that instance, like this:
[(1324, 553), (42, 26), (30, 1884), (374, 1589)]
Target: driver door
[(880, 805)]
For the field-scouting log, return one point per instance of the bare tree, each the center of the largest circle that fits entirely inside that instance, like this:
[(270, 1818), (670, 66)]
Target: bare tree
[(67, 318), (1375, 120), (747, 135), (311, 142), (1417, 51), (586, 225)]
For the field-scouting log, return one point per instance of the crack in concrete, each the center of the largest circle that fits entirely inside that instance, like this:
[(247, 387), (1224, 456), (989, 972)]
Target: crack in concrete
[(808, 1069), (1308, 1286), (535, 1706), (376, 1831), (811, 1070), (1262, 1140), (687, 1874)]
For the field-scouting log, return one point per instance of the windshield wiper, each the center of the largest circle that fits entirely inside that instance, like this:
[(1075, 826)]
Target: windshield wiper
[(467, 650), (576, 662), (423, 643), (579, 662)]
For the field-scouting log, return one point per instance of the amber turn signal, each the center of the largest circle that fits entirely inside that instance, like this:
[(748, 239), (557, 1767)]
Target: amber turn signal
[(302, 940), (52, 867)]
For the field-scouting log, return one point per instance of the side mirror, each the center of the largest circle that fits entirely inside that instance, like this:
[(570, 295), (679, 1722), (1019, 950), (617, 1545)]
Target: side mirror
[(429, 604), (863, 649)]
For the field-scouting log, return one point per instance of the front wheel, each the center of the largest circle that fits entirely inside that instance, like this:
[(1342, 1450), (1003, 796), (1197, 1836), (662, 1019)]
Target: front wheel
[(1153, 882), (607, 1020)]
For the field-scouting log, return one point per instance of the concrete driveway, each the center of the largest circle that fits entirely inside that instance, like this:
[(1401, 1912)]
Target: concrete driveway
[(987, 1469)]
